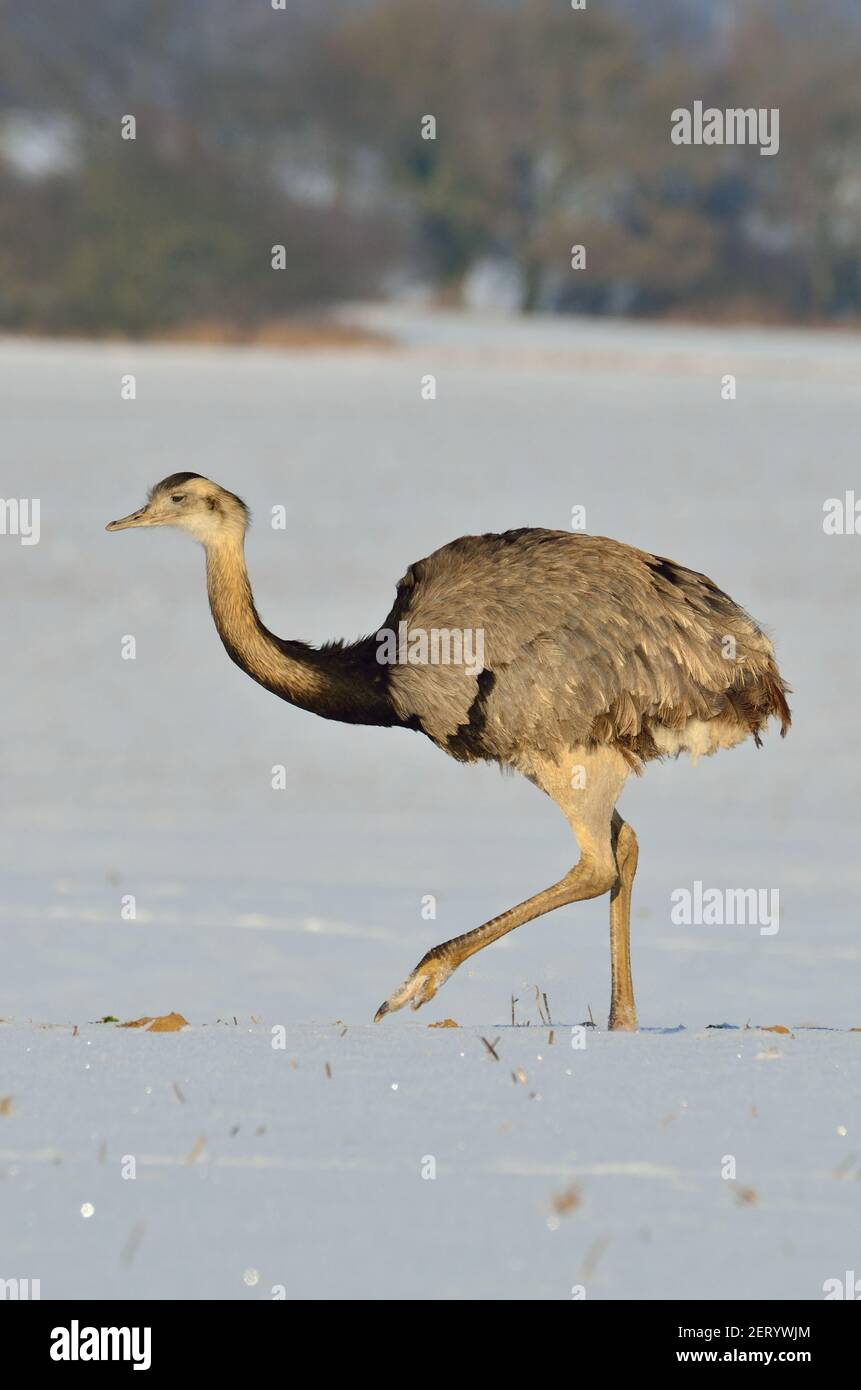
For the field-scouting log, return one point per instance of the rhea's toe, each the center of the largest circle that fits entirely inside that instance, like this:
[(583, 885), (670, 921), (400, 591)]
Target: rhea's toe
[(421, 986)]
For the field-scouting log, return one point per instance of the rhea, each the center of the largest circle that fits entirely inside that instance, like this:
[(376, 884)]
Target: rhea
[(597, 658)]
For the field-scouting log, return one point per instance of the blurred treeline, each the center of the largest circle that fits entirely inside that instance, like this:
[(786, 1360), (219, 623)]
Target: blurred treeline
[(302, 126)]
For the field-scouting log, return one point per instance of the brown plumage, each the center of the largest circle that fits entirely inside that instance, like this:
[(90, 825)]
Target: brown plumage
[(587, 641), (577, 660)]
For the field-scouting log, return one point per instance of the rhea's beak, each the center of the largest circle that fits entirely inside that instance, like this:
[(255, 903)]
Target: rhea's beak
[(143, 517)]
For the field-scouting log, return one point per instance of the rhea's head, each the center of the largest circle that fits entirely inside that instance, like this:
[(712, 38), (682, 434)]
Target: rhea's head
[(206, 511)]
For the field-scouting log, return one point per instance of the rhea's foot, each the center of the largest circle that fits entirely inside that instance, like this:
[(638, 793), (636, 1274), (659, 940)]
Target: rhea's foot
[(623, 1019), (430, 973)]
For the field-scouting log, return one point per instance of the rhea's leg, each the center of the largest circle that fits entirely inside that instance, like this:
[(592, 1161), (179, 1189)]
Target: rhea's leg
[(586, 880), (623, 1011), (585, 784)]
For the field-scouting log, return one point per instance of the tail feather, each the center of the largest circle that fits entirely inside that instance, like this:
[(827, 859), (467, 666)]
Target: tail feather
[(756, 699)]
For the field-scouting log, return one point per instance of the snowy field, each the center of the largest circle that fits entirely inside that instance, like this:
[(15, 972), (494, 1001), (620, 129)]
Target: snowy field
[(301, 1168)]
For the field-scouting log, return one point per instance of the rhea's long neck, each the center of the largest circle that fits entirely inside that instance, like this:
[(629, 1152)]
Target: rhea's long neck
[(338, 683)]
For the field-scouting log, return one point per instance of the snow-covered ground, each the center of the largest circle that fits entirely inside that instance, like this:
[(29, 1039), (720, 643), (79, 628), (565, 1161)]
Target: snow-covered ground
[(421, 1168), (299, 907)]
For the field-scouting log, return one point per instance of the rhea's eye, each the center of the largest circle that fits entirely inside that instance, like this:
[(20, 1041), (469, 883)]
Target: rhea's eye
[(178, 497)]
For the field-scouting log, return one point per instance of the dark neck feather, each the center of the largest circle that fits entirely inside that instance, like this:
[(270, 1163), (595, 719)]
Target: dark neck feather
[(343, 683)]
